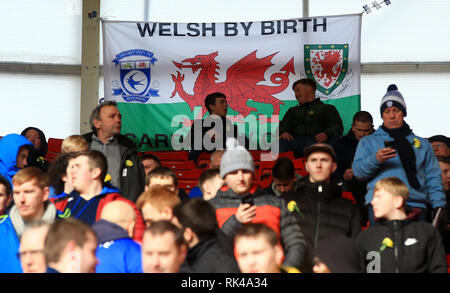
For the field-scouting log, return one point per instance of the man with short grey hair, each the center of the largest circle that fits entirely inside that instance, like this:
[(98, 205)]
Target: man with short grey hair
[(125, 169)]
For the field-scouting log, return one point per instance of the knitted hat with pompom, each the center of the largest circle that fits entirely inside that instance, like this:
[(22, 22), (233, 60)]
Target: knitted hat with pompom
[(235, 158), (393, 98)]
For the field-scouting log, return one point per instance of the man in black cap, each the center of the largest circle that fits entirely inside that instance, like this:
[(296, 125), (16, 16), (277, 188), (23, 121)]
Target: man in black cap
[(318, 204), (311, 121), (441, 145)]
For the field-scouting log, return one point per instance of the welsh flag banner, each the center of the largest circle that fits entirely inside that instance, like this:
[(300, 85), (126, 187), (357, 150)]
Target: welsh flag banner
[(160, 73)]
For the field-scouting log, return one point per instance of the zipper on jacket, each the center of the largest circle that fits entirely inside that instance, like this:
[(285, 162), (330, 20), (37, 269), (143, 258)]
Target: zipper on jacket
[(396, 244), (316, 229), (304, 120)]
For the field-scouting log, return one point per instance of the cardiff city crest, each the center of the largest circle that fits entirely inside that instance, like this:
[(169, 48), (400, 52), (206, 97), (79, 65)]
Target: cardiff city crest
[(135, 75), (327, 65)]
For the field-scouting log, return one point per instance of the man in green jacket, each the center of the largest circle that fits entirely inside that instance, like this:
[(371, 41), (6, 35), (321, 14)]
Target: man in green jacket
[(311, 121)]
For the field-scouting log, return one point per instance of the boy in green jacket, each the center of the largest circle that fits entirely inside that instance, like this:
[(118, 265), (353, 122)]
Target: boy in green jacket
[(311, 121)]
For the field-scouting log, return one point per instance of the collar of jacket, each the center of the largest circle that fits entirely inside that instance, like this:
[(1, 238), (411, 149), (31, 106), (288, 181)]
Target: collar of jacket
[(296, 185), (307, 104), (228, 192), (20, 225), (111, 140), (321, 190), (381, 132), (199, 249), (121, 139), (108, 231), (107, 189), (392, 223)]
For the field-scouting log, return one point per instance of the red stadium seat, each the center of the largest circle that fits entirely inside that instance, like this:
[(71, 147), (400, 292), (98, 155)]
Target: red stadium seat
[(54, 148), (179, 165), (187, 184), (269, 156), (265, 168), (348, 195), (264, 175), (54, 145), (261, 156), (190, 174), (203, 160), (448, 263), (169, 155), (299, 165)]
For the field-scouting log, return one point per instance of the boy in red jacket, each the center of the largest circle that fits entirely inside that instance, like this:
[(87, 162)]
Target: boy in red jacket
[(240, 202)]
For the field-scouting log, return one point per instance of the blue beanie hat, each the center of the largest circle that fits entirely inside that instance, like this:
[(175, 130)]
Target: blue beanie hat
[(393, 98)]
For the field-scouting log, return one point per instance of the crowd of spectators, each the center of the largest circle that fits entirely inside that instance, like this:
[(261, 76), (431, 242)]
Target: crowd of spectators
[(100, 206)]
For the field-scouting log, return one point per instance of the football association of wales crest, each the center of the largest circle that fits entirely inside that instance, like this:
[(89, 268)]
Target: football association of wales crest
[(327, 65), (135, 75)]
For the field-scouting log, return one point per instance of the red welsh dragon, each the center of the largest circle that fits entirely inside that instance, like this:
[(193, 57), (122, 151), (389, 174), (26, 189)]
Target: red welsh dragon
[(239, 86), (330, 66)]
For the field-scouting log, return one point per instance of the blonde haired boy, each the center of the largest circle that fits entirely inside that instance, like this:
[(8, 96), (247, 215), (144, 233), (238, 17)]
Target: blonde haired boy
[(396, 244), (74, 143)]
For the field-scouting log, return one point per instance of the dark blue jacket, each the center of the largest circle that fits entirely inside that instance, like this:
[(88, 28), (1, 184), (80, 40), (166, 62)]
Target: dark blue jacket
[(116, 252), (9, 148)]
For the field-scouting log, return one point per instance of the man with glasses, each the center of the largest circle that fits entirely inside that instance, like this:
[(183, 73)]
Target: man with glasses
[(32, 244)]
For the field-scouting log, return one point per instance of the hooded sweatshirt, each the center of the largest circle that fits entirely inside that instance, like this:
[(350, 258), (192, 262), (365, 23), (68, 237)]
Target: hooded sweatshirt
[(36, 156), (272, 189), (9, 148), (72, 205)]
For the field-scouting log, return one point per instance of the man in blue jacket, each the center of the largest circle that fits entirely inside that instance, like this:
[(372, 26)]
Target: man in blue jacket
[(394, 150), (117, 252), (14, 151), (30, 197)]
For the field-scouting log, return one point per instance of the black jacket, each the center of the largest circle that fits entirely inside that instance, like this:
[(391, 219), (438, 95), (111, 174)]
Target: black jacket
[(311, 118), (345, 148), (417, 247), (133, 184), (223, 125), (323, 212), (210, 255)]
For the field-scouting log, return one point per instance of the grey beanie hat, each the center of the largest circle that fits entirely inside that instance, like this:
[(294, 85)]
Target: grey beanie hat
[(393, 98), (236, 157)]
